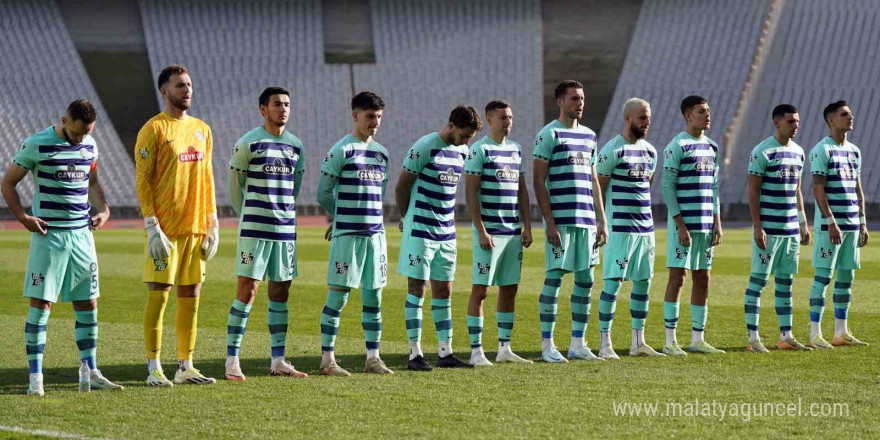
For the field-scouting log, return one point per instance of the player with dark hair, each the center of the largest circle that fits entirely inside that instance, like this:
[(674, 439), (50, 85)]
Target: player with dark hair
[(175, 186), (841, 227), (354, 175), (776, 205), (690, 189), (265, 174), (62, 260), (425, 196)]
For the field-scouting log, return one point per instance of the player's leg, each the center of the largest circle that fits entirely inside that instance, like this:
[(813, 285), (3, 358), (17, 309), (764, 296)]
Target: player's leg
[(824, 262), (701, 263), (555, 268), (277, 322), (678, 263), (848, 262), (35, 342), (190, 279), (442, 273), (374, 280), (344, 272), (159, 276), (414, 264), (507, 272), (761, 266), (47, 261), (785, 266), (618, 257), (236, 324), (641, 271), (475, 324)]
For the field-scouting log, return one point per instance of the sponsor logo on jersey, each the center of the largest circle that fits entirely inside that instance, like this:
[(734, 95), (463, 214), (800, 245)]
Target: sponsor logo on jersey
[(370, 173), (278, 167), (191, 155), (341, 268), (846, 172), (557, 252), (160, 264), (71, 174), (37, 279), (578, 158), (681, 253), (450, 176), (622, 263), (826, 253), (144, 153), (483, 268), (640, 171), (788, 172), (765, 258), (507, 174), (247, 257), (705, 164), (415, 260)]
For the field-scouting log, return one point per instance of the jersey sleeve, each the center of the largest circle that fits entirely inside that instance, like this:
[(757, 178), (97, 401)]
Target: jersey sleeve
[(858, 159), (476, 159), (240, 159), (301, 162), (672, 157), (819, 161), (145, 165), (417, 157), (544, 144), (757, 163), (210, 193), (27, 156), (607, 161), (333, 162)]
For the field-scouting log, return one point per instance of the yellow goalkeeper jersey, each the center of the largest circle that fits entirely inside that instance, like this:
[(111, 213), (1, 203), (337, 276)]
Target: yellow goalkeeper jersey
[(173, 173)]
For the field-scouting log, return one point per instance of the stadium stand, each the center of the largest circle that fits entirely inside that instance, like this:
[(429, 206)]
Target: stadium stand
[(668, 60), (815, 58), (44, 75)]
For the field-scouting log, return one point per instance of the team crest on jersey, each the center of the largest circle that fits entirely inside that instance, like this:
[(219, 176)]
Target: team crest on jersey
[(370, 173), (483, 268), (847, 172), (622, 263), (514, 155), (200, 136), (71, 174), (289, 152), (640, 171), (705, 164), (84, 153), (681, 254), (450, 176), (853, 159), (278, 167), (826, 253), (578, 158), (788, 172), (160, 264), (191, 155), (415, 260), (557, 252), (247, 257), (37, 279), (341, 268), (506, 174), (765, 258)]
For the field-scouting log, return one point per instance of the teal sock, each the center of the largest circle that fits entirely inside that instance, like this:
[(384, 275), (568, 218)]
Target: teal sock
[(235, 326), (580, 302), (698, 317), (505, 326), (752, 299), (330, 318), (277, 320), (783, 302), (817, 294), (86, 335), (547, 302), (412, 313), (670, 314), (607, 305), (441, 312), (842, 296), (371, 317), (475, 330), (35, 338), (638, 303)]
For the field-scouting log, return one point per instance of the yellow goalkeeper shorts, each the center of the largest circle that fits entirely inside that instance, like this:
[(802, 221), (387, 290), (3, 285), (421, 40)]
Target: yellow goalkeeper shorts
[(184, 266)]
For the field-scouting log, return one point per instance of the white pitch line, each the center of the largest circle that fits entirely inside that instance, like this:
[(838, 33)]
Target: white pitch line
[(44, 433)]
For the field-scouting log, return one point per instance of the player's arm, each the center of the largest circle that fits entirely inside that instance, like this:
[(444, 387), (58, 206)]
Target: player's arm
[(717, 234), (757, 167), (599, 207), (544, 144), (15, 174), (299, 171), (670, 183), (239, 161), (331, 169), (525, 211), (473, 170), (96, 198), (863, 224), (416, 158), (211, 240), (819, 170), (158, 244), (802, 216)]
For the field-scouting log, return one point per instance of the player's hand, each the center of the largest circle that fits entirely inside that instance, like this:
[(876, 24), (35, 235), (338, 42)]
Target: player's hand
[(760, 238), (34, 224), (553, 236), (601, 234), (329, 232), (211, 241), (526, 237), (805, 234), (684, 236), (158, 244), (717, 234), (835, 235), (486, 241), (863, 235), (98, 220)]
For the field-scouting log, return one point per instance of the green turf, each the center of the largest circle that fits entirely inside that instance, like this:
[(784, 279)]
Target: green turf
[(540, 400)]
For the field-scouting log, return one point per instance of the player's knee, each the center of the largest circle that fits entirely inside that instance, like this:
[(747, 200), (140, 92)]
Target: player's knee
[(441, 290), (85, 306), (278, 292), (159, 287), (479, 293), (677, 278), (416, 287), (701, 279), (40, 304)]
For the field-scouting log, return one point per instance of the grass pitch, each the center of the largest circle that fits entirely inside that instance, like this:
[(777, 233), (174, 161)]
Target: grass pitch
[(541, 400)]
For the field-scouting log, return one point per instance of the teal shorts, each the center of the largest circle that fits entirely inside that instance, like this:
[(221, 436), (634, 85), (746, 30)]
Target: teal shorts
[(260, 259), (501, 265), (629, 257), (842, 256), (423, 259), (358, 261), (62, 262), (579, 250), (780, 257), (696, 257)]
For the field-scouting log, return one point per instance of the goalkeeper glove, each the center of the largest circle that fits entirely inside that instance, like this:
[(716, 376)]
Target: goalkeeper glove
[(212, 238), (158, 244)]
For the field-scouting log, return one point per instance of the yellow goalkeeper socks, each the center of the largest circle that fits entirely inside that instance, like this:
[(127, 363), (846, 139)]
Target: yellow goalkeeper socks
[(187, 317), (153, 314)]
